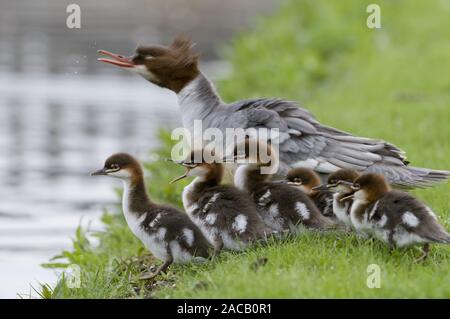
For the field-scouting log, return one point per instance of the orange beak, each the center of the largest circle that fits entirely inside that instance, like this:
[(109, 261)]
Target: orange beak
[(117, 59)]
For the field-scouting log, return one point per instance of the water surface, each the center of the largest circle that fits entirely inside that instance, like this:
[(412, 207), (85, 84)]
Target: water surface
[(54, 130)]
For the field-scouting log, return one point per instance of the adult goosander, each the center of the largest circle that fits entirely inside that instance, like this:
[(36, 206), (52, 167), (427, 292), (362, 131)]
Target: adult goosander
[(167, 232), (225, 215), (304, 142), (309, 181), (283, 207), (395, 217)]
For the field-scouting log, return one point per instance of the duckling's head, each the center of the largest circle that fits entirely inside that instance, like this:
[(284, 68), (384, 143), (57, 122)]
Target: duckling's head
[(304, 178), (171, 67), (198, 166), (341, 181), (257, 153), (370, 187), (121, 165)]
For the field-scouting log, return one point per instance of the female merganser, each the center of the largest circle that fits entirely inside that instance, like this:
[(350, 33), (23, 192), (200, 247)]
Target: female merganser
[(167, 232), (304, 142), (339, 184), (395, 217), (225, 215), (308, 182), (283, 207)]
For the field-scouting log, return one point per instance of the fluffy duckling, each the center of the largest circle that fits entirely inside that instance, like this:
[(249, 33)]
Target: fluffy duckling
[(225, 215), (283, 207), (395, 217), (339, 184), (167, 232), (308, 181)]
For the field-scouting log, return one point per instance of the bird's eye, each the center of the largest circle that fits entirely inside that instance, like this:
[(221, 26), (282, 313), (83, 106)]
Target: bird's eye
[(332, 181), (297, 180)]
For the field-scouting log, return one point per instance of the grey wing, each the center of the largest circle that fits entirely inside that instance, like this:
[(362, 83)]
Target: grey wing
[(304, 142)]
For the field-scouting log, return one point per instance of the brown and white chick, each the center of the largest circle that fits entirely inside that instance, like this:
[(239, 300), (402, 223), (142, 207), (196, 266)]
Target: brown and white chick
[(394, 217), (283, 207), (308, 181), (167, 232), (226, 215), (339, 184)]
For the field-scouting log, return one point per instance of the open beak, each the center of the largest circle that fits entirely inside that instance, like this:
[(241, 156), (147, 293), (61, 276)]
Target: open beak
[(180, 177), (99, 172), (347, 197), (322, 187), (188, 168), (117, 59)]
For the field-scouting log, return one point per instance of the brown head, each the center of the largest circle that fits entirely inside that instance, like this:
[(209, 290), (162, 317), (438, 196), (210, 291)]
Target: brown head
[(304, 178), (196, 165), (122, 166), (340, 181), (256, 154), (171, 67), (370, 187)]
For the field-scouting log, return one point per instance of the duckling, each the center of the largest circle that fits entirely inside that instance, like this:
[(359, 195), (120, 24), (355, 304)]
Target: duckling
[(395, 217), (283, 207), (167, 232), (308, 181), (339, 184), (226, 216)]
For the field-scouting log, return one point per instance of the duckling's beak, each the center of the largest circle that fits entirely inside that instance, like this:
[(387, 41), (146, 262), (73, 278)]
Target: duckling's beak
[(180, 177), (322, 187), (173, 161), (347, 197), (346, 183), (99, 172), (280, 181)]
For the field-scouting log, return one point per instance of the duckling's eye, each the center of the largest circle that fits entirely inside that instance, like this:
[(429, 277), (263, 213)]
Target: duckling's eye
[(298, 180), (333, 181)]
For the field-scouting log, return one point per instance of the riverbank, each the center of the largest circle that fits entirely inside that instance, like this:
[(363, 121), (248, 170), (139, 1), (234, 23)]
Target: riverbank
[(390, 83)]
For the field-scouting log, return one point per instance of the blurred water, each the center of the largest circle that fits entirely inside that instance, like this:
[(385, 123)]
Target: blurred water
[(54, 130), (62, 113)]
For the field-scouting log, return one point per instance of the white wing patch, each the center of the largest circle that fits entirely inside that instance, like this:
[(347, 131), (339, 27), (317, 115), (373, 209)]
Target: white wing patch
[(211, 218), (273, 210), (155, 221), (264, 199), (240, 223), (410, 219), (189, 236), (374, 210), (383, 220), (210, 202), (161, 233), (302, 210)]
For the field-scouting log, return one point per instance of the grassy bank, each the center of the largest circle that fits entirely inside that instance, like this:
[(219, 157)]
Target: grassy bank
[(392, 83)]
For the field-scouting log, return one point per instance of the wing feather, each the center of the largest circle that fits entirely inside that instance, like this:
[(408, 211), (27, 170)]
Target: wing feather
[(305, 141)]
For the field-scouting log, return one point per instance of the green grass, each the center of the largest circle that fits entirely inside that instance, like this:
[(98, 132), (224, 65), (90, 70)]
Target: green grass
[(392, 83)]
